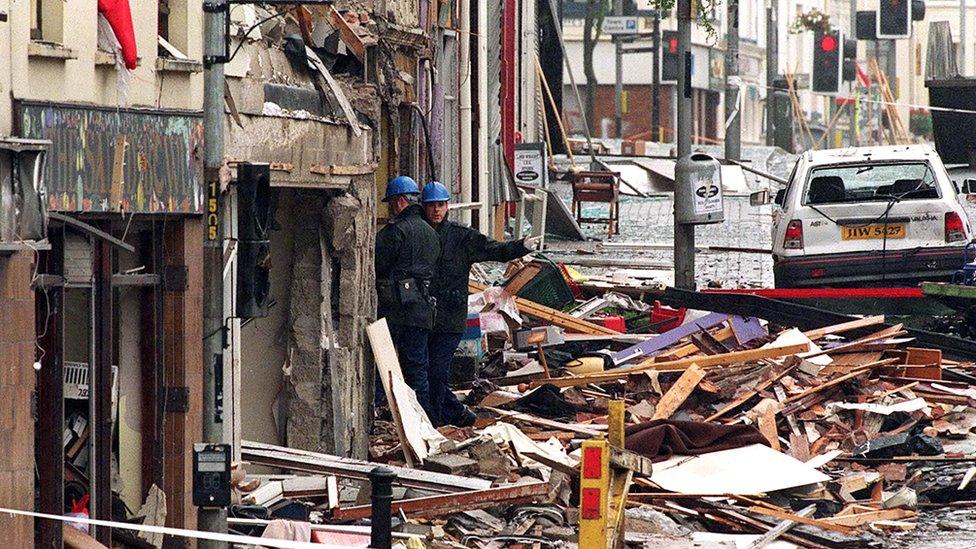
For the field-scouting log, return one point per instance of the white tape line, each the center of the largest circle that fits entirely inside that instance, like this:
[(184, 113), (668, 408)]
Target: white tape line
[(180, 532)]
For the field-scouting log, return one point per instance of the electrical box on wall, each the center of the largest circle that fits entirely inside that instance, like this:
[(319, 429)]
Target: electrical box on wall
[(23, 194)]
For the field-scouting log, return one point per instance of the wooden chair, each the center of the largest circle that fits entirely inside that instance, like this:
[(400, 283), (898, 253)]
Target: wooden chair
[(600, 187)]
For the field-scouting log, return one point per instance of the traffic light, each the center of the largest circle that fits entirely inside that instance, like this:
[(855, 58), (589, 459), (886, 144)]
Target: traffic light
[(827, 61), (849, 55), (670, 62), (255, 215), (894, 18)]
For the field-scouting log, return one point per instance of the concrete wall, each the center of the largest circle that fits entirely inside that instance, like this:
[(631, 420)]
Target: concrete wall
[(73, 70), (322, 273), (17, 380)]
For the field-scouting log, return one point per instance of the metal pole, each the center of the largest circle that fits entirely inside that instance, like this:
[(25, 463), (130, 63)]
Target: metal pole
[(656, 80), (618, 107), (684, 235), (733, 123), (772, 69), (215, 12), (381, 482), (963, 36)]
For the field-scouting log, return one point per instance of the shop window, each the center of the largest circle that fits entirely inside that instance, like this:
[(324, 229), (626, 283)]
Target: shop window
[(47, 23)]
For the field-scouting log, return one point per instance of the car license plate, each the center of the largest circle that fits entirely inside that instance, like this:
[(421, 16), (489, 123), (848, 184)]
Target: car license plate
[(867, 232)]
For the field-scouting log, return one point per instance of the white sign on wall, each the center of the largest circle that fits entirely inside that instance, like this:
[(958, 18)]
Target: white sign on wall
[(530, 164)]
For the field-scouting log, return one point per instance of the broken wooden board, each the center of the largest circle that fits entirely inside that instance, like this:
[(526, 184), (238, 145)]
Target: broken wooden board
[(419, 434), (781, 528), (784, 515), (845, 327), (676, 365), (679, 392), (452, 503), (340, 96), (293, 459), (861, 519), (552, 316)]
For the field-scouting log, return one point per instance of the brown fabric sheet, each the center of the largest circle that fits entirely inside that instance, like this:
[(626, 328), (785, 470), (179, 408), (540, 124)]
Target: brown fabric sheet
[(659, 439)]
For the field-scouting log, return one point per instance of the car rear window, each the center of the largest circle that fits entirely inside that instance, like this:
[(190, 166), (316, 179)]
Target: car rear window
[(871, 182)]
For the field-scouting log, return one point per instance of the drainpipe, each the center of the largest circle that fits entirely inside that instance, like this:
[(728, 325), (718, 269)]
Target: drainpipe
[(464, 106), (484, 174)]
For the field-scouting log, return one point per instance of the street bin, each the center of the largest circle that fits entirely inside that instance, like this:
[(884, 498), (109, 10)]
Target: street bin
[(698, 190)]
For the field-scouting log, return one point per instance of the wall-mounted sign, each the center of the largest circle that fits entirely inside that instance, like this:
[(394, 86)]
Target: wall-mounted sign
[(530, 164)]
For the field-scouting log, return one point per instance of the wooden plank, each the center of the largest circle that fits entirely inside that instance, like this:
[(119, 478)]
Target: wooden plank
[(552, 316), (819, 523), (312, 462), (679, 392), (349, 36), (748, 395), (49, 327), (548, 423), (767, 426), (100, 376), (340, 96), (932, 357), (676, 365), (844, 327), (861, 519), (449, 503), (781, 528), (118, 172), (343, 169), (859, 371)]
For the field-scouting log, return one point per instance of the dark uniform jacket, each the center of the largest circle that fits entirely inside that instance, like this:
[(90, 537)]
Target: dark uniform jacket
[(462, 247), (406, 254)]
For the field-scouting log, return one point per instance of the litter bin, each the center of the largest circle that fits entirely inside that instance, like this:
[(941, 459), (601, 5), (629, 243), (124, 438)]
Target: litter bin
[(698, 190)]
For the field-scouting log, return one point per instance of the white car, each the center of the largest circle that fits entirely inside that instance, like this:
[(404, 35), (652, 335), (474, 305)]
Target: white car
[(867, 217)]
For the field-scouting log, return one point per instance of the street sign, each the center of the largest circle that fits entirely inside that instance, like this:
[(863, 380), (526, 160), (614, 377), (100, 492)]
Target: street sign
[(614, 24)]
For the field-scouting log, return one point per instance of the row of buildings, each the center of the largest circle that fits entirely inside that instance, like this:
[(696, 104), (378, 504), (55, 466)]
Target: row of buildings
[(102, 301), (795, 56)]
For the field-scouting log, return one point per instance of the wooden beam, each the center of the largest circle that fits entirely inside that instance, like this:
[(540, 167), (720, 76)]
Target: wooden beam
[(552, 316), (49, 311), (100, 374), (781, 528), (861, 370), (783, 515), (348, 35), (679, 392), (450, 503), (844, 327), (676, 365), (749, 394)]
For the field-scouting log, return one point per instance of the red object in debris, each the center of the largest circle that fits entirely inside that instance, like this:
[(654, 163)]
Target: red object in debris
[(665, 318), (119, 16), (613, 322)]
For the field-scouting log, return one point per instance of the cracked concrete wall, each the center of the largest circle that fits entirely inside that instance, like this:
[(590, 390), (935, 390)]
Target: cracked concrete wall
[(331, 292)]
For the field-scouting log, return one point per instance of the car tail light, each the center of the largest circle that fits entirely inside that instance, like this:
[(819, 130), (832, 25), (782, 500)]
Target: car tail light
[(794, 235), (955, 229)]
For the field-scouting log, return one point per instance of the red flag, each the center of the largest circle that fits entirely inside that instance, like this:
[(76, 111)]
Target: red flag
[(119, 17)]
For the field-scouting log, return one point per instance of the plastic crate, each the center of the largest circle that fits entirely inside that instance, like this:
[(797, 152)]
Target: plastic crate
[(76, 384), (549, 287)]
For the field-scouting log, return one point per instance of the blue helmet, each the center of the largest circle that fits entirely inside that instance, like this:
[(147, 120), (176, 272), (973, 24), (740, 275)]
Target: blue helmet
[(400, 184), (435, 192)]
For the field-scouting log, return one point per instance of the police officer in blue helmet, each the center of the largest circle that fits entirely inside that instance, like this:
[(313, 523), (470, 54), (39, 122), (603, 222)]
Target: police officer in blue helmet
[(407, 249), (461, 247)]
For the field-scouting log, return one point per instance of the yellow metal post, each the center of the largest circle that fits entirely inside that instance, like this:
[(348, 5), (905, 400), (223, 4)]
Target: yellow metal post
[(594, 494), (615, 423)]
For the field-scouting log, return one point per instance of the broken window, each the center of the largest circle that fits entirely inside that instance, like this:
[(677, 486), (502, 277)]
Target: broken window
[(171, 29)]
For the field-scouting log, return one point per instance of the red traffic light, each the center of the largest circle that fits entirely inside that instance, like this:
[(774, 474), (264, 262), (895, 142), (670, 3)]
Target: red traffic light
[(828, 43), (673, 45)]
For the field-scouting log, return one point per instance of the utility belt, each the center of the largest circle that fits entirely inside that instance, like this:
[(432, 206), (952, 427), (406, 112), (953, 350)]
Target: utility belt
[(406, 292)]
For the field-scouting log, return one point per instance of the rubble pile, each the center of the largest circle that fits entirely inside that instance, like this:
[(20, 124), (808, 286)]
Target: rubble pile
[(735, 431)]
